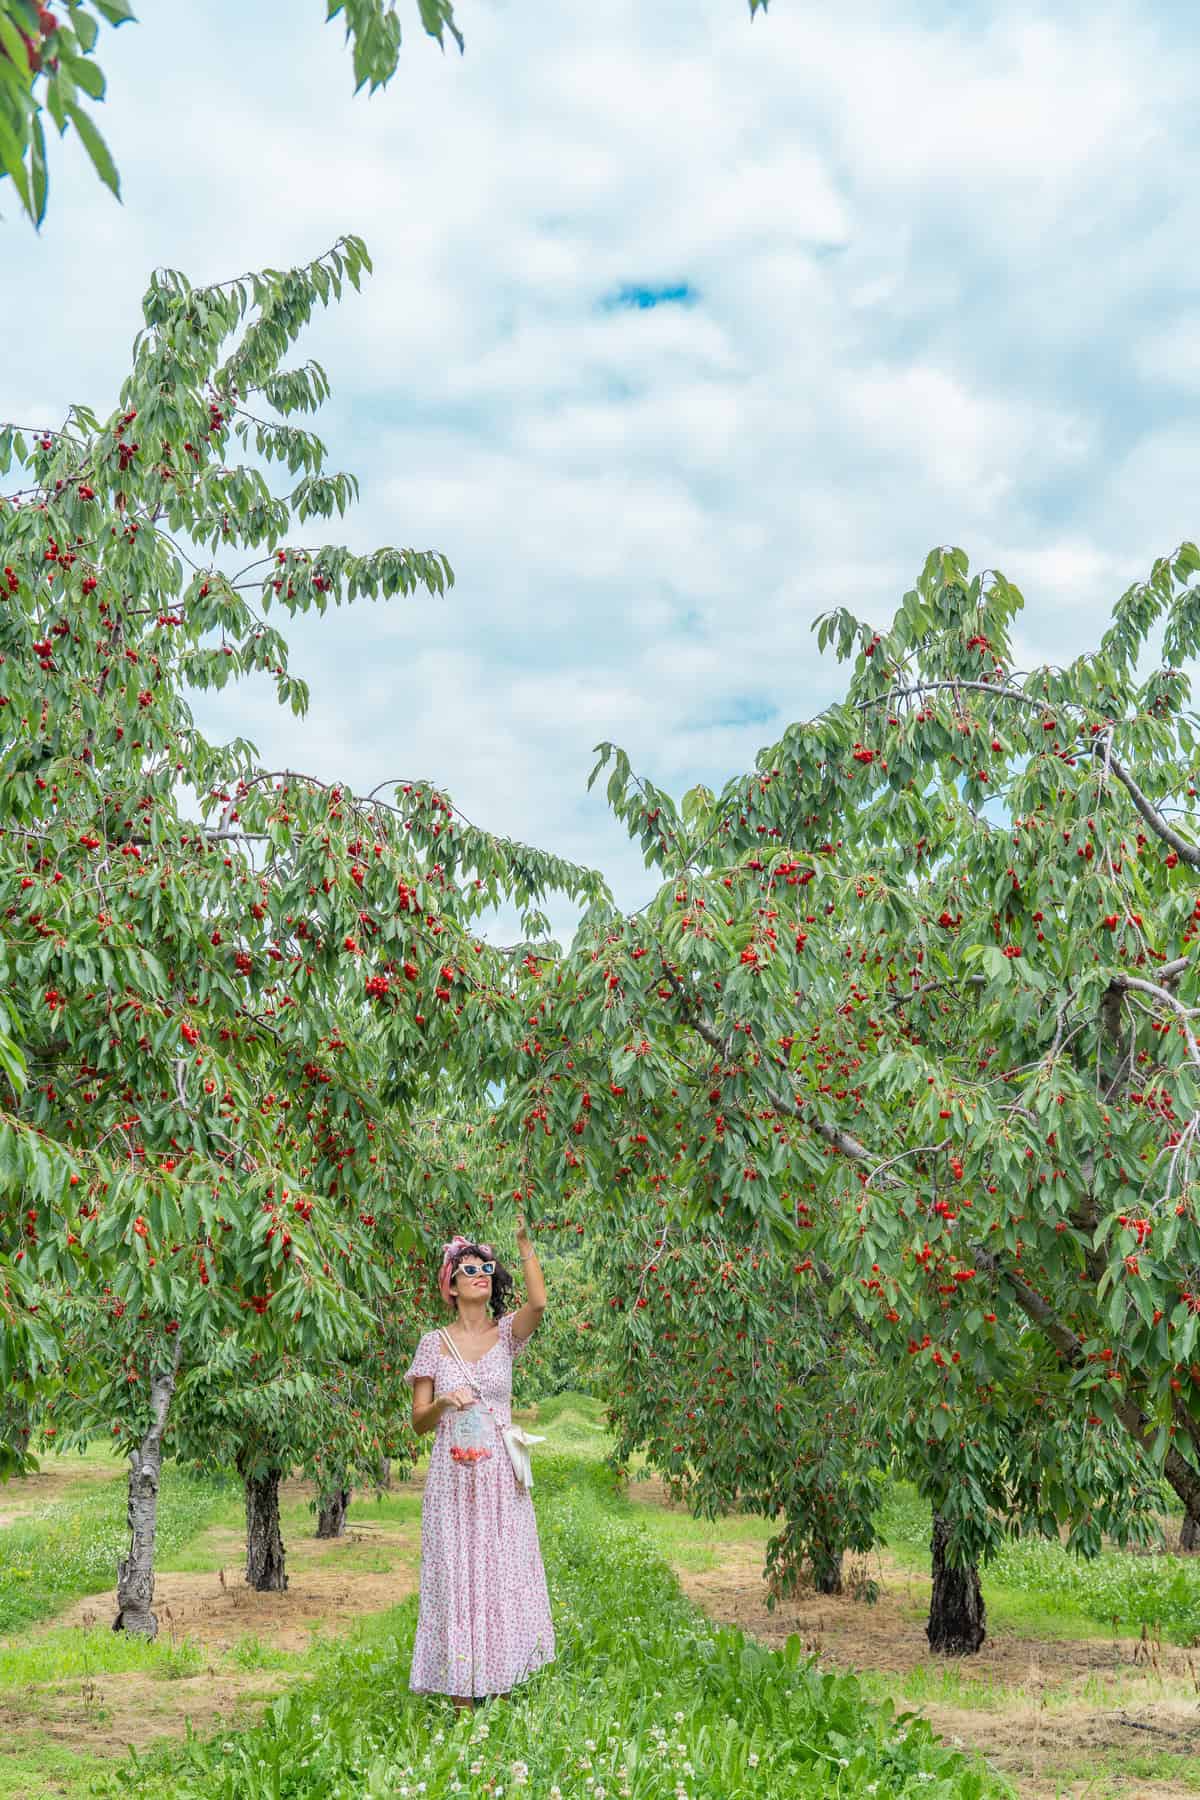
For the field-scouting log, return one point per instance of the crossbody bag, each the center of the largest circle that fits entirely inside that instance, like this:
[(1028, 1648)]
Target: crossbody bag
[(517, 1440)]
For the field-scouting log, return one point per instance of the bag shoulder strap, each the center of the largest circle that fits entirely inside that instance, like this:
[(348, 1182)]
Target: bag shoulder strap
[(454, 1351)]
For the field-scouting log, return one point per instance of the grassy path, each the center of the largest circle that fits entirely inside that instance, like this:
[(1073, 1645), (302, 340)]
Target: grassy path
[(647, 1701)]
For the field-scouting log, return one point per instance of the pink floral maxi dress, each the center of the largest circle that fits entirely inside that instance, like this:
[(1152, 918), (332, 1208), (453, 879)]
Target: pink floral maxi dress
[(484, 1622)]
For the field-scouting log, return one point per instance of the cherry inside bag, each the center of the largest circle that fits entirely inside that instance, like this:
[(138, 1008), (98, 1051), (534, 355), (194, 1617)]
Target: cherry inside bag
[(471, 1435)]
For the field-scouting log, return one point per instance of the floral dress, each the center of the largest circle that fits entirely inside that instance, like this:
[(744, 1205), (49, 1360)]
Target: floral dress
[(484, 1623)]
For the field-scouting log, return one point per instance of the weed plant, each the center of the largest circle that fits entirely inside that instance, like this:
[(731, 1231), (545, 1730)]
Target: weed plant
[(646, 1701)]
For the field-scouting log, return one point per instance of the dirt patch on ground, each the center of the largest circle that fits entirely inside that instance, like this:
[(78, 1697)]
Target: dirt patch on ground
[(1043, 1704), (106, 1714), (328, 1590)]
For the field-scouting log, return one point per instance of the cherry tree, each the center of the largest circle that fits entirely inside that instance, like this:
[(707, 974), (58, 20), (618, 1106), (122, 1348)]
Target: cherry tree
[(932, 958), (222, 981)]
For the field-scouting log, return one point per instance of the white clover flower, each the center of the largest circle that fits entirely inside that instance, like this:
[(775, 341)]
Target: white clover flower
[(589, 1743), (679, 1718), (477, 1768), (752, 1759), (598, 1792), (555, 1793), (843, 1762)]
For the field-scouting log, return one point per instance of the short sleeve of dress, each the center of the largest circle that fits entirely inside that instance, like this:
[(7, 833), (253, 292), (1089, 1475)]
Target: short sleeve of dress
[(515, 1346), (425, 1361)]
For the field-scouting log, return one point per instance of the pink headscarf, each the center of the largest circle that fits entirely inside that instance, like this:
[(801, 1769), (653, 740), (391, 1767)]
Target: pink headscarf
[(451, 1250)]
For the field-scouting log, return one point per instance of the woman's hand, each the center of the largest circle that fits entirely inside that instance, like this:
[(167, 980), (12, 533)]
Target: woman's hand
[(458, 1399), (522, 1232)]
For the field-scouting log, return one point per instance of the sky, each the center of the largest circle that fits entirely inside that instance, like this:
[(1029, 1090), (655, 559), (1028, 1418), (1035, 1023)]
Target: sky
[(683, 329)]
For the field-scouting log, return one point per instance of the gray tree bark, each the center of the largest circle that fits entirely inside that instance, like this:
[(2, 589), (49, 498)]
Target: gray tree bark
[(1189, 1536), (957, 1616), (827, 1569), (331, 1514), (135, 1571), (265, 1567)]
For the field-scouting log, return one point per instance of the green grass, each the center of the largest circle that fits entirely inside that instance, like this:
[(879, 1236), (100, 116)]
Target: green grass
[(696, 1543), (573, 1424), (297, 1520), (35, 1768), (68, 1654), (1109, 1773), (643, 1683), (72, 1547), (632, 1653), (252, 1653)]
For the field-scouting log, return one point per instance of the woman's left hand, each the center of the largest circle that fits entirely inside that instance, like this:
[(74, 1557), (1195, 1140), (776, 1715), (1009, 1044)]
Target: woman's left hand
[(522, 1230)]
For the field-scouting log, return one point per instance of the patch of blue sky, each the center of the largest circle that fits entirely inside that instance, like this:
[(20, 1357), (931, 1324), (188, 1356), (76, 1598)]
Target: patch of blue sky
[(640, 297)]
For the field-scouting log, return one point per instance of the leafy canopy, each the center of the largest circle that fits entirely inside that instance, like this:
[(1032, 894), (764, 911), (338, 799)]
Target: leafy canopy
[(229, 993), (918, 997)]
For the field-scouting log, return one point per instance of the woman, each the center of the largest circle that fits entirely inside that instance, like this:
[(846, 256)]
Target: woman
[(484, 1622)]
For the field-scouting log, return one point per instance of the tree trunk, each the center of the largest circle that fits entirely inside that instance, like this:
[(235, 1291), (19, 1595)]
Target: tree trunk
[(135, 1571), (383, 1475), (265, 1571), (826, 1569), (331, 1515), (957, 1619), (1189, 1537)]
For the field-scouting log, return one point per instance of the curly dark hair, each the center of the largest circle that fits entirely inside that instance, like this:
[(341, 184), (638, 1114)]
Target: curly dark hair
[(502, 1281)]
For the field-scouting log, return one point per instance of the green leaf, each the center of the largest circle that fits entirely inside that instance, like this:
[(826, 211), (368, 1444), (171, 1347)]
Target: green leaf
[(89, 75), (12, 160), (37, 168), (95, 146)]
